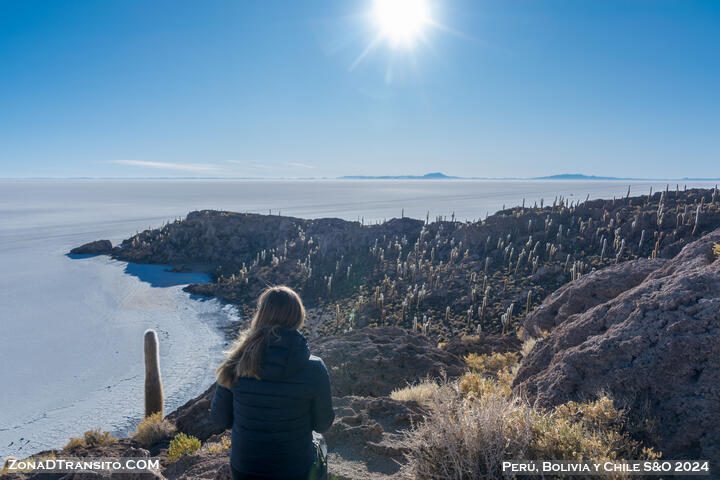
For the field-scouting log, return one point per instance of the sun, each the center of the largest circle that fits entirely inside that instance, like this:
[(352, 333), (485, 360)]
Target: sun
[(401, 22)]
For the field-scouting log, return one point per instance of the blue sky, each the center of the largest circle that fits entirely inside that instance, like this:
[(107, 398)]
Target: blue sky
[(141, 88)]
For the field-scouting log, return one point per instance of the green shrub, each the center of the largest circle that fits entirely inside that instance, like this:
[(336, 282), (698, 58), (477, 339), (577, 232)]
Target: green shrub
[(182, 445)]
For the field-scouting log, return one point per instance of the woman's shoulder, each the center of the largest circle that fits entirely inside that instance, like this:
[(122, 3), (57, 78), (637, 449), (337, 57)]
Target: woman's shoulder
[(316, 365)]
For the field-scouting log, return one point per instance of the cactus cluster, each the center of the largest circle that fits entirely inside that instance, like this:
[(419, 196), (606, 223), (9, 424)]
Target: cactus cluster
[(439, 277)]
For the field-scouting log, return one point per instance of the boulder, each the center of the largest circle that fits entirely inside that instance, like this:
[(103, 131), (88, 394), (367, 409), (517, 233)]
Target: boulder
[(98, 247), (366, 439), (193, 418), (375, 361), (655, 348), (587, 291), (201, 465)]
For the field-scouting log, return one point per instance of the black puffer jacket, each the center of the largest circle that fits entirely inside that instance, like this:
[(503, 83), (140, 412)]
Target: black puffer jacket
[(272, 419)]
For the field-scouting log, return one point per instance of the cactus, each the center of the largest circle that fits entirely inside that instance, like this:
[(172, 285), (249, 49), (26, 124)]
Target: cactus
[(697, 219), (620, 252), (528, 303), (154, 400), (506, 318)]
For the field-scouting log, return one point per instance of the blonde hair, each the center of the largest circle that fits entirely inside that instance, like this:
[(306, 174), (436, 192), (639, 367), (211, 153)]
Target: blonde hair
[(278, 307)]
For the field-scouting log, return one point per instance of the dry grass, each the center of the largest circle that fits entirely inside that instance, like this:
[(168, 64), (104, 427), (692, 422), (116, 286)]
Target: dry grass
[(153, 429), (473, 384), (476, 424), (421, 392), (491, 364), (218, 447), (91, 438), (467, 438)]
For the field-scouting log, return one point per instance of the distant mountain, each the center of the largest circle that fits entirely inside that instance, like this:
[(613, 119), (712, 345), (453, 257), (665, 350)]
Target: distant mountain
[(580, 176), (438, 175), (427, 176)]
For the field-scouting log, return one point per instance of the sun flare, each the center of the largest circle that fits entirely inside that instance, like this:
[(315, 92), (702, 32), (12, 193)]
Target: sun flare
[(401, 21)]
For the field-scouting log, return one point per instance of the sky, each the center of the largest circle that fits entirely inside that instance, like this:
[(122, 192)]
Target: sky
[(270, 88)]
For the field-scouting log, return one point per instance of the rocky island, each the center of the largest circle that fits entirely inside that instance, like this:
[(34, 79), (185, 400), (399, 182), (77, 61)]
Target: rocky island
[(546, 314)]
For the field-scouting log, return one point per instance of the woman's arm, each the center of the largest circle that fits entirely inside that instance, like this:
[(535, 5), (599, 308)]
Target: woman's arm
[(322, 410), (221, 410)]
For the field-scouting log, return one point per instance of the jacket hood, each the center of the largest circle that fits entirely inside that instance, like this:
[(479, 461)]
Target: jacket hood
[(285, 355)]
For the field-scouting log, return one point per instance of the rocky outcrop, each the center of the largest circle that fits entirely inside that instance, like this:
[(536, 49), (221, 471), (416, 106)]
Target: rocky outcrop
[(98, 247), (589, 290), (655, 348), (193, 418), (375, 361), (365, 441), (405, 270), (201, 465)]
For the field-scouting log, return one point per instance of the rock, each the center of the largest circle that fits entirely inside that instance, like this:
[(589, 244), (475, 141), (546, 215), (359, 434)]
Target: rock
[(193, 418), (553, 273), (354, 429), (375, 361), (202, 465), (365, 441), (98, 247), (482, 344), (387, 448), (587, 291), (360, 420), (224, 472), (655, 348), (363, 420)]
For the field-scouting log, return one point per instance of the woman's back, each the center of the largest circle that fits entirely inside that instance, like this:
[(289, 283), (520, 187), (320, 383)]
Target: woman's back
[(273, 419)]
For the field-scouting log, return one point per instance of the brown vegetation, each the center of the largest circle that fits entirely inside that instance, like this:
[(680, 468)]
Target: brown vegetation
[(475, 424)]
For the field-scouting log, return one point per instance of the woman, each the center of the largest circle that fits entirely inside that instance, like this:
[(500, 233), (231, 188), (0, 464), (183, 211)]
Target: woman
[(274, 394)]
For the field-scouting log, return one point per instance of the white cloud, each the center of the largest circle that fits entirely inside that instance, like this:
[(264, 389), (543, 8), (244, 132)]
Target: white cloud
[(185, 167), (301, 165)]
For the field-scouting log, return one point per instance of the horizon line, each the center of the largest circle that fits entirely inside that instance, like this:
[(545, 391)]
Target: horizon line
[(428, 177)]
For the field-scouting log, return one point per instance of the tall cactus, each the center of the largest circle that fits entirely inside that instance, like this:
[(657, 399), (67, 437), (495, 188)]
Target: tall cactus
[(154, 399)]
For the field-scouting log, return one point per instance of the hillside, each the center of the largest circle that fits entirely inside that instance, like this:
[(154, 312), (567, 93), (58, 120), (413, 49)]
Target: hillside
[(442, 276)]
